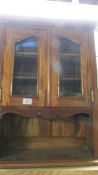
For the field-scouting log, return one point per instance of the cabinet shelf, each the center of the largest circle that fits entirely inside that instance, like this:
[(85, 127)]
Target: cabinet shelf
[(25, 77), (70, 78), (43, 149), (25, 54), (69, 54), (70, 94)]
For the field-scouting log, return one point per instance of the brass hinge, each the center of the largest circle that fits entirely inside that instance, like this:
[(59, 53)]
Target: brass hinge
[(92, 95), (0, 94)]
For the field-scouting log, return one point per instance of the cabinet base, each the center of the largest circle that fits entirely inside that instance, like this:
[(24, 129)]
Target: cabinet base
[(74, 163), (44, 152)]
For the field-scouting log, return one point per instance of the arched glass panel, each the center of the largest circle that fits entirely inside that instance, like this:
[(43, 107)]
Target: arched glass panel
[(25, 75), (70, 72)]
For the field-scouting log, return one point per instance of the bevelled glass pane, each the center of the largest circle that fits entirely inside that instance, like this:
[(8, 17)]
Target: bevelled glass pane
[(67, 87), (67, 46), (27, 45), (25, 77), (70, 73), (25, 87)]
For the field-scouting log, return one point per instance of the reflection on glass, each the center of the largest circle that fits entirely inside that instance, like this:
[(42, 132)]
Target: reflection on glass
[(70, 74), (25, 78)]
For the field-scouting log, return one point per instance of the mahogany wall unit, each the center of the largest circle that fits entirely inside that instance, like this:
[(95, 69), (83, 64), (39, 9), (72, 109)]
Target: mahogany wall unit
[(48, 93)]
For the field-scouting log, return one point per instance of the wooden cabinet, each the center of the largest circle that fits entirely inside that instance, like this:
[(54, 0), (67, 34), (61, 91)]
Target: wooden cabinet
[(48, 89), (43, 72)]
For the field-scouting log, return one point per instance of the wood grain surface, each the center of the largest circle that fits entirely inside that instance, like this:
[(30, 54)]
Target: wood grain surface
[(48, 172)]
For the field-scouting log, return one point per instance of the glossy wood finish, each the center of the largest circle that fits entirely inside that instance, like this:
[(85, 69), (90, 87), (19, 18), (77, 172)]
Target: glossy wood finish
[(53, 113), (38, 139), (48, 78), (2, 40), (95, 88), (74, 163), (39, 144), (45, 112), (81, 39), (15, 126), (12, 36)]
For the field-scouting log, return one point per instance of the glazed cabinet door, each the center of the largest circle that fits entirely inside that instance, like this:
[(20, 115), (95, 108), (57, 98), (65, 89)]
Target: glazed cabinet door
[(25, 62), (70, 70)]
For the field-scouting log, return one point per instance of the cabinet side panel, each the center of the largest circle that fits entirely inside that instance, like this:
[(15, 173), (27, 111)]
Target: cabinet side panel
[(2, 36), (95, 93)]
